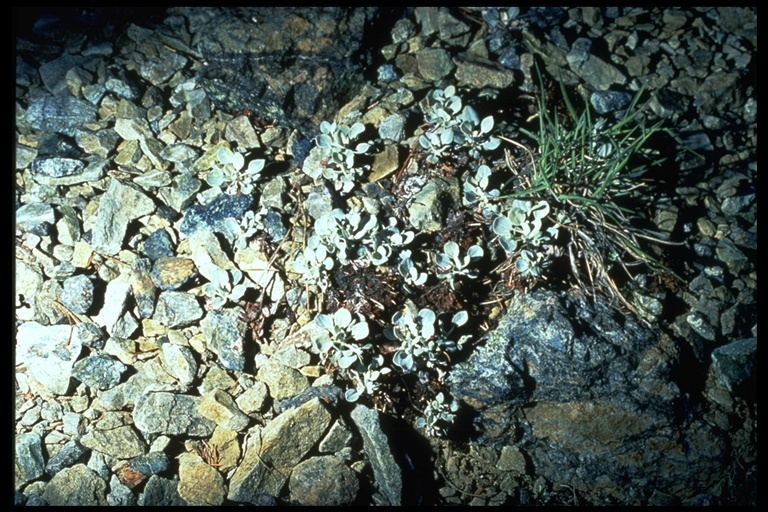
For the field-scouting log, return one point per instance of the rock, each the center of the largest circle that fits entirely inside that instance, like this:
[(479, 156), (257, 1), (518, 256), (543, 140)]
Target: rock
[(36, 218), (57, 167), (733, 365), (171, 272), (273, 452), (282, 381), (220, 407), (211, 216), (386, 472), (199, 483), (170, 414), (76, 486), (115, 298), (65, 114), (133, 472), (225, 333), (323, 481), (29, 463), (121, 443), (253, 399), (736, 261), (119, 494), (478, 73), (158, 244), (293, 66), (605, 102), (177, 309), (120, 204), (434, 63), (428, 208), (339, 437), (593, 390), (98, 371), (48, 353), (70, 454), (179, 361), (392, 128), (160, 492)]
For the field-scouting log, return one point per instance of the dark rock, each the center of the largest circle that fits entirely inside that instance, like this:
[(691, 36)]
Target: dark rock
[(293, 66), (66, 114), (598, 393), (212, 215), (158, 244), (323, 481), (161, 492), (69, 455), (609, 101)]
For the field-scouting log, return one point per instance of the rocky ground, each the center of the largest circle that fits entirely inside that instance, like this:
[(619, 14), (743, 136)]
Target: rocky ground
[(145, 377)]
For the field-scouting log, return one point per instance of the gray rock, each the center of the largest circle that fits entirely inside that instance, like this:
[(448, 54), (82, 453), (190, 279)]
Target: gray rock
[(177, 309), (387, 474), (253, 399), (29, 458), (273, 452), (120, 204), (74, 424), (77, 293), (76, 486), (478, 73), (199, 483), (605, 102), (392, 128), (736, 261), (160, 69), (100, 142), (98, 371), (37, 218), (143, 287), (323, 481), (161, 492), (273, 194), (93, 171), (220, 407), (428, 208), (70, 454), (434, 63), (122, 442), (119, 494), (48, 353), (282, 381), (57, 167), (339, 437), (179, 361), (170, 414), (182, 191), (89, 335), (225, 333), (733, 364), (179, 153), (65, 114)]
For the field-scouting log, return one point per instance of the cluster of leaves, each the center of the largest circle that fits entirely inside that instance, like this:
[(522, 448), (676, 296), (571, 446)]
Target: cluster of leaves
[(452, 127), (338, 151), (229, 176)]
